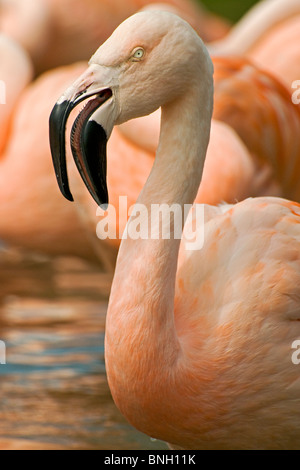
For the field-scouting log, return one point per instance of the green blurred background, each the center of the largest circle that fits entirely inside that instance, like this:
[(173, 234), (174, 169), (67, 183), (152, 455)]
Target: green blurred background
[(231, 9)]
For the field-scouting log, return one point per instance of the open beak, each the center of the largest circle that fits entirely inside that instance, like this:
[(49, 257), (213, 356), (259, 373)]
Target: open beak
[(89, 136)]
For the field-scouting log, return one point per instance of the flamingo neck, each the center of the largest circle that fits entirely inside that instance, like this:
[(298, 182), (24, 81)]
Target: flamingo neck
[(143, 347)]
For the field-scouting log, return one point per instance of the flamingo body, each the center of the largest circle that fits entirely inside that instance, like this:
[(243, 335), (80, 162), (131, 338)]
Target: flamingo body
[(236, 313)]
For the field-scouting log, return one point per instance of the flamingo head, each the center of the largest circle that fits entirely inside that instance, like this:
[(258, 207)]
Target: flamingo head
[(148, 61)]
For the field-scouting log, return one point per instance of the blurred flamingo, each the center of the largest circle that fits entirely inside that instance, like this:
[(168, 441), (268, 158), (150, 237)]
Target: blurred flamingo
[(269, 34), (15, 74), (30, 206), (198, 343), (269, 132), (48, 29)]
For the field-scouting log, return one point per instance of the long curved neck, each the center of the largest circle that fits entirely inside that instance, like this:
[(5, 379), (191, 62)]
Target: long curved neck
[(140, 330), (260, 20)]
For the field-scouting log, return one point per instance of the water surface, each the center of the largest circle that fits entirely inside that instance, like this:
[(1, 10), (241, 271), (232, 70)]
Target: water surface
[(54, 391)]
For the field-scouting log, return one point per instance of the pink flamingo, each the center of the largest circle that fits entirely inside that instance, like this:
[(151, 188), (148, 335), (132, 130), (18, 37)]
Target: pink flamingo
[(269, 34), (198, 343), (48, 29)]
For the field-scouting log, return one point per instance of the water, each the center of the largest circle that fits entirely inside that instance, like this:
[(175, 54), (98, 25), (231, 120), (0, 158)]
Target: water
[(54, 392)]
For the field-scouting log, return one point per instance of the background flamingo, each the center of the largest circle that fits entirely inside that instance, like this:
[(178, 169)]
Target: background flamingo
[(197, 347), (15, 74), (48, 29), (263, 160), (241, 89), (269, 34)]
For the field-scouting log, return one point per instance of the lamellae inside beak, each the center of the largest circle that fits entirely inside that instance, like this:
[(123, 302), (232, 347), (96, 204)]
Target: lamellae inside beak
[(88, 143), (58, 121)]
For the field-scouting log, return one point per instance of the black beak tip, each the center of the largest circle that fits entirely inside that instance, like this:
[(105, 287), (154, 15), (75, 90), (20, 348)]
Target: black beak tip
[(104, 207), (100, 195)]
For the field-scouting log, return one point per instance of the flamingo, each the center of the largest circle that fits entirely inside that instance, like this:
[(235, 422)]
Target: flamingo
[(234, 180), (47, 29), (198, 343), (268, 34)]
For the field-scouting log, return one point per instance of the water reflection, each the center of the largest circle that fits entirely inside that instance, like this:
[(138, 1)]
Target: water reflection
[(53, 388)]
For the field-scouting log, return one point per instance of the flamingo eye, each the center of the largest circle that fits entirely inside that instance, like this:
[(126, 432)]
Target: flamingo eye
[(138, 54)]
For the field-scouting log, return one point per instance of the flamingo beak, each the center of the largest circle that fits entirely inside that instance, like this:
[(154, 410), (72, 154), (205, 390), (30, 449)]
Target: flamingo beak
[(90, 133)]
